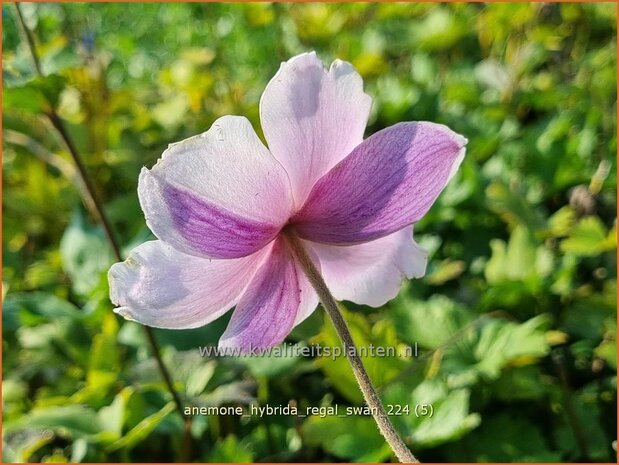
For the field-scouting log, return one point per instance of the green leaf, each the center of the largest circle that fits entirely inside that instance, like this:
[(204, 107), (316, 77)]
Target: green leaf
[(586, 413), (430, 414), (271, 438), (73, 421), (142, 430), (561, 222), (513, 207), (501, 343), (271, 365), (521, 260), (85, 254), (488, 347), (445, 271), (229, 450), (104, 363), (191, 372), (26, 98), (586, 317), (520, 383), (589, 238), (607, 351), (349, 437), (428, 322), (506, 437), (112, 417), (440, 30), (35, 308), (20, 447), (37, 95), (170, 113), (451, 419), (368, 338)]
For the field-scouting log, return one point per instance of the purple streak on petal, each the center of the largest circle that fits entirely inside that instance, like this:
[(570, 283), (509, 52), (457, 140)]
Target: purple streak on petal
[(386, 183), (267, 310), (212, 230)]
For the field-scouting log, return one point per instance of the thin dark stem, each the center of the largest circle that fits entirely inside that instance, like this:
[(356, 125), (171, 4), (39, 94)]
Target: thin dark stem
[(570, 411), (29, 39), (165, 374), (98, 212), (365, 384)]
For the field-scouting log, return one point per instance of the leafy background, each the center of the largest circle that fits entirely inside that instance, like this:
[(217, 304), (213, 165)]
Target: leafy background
[(515, 320)]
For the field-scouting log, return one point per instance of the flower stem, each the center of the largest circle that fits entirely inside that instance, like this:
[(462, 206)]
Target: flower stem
[(365, 384), (96, 208)]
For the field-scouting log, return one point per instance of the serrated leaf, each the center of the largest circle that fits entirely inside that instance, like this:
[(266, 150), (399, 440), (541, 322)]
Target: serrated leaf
[(428, 322), (589, 238), (433, 413)]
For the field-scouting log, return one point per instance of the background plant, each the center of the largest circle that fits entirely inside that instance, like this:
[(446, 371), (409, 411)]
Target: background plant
[(515, 321)]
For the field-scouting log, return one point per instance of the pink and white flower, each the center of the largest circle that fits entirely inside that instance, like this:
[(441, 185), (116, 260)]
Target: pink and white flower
[(219, 202)]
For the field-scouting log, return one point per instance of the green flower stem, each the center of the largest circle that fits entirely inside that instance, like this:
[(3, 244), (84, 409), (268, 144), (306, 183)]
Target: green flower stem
[(368, 390), (97, 210)]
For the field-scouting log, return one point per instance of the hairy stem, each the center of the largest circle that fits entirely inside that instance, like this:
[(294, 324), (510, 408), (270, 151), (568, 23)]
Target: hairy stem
[(365, 384), (96, 208)]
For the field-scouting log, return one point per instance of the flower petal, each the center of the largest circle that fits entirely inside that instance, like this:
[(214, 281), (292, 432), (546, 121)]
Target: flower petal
[(313, 118), (220, 194), (371, 273), (388, 182), (278, 297), (162, 287)]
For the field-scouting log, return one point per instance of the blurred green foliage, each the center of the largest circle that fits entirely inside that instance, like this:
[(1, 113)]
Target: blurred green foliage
[(515, 320)]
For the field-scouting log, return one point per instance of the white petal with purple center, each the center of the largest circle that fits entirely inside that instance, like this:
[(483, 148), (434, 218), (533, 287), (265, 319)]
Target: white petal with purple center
[(217, 195)]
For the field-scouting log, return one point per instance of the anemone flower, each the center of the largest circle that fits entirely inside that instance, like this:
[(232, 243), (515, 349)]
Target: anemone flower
[(221, 205), (320, 215)]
